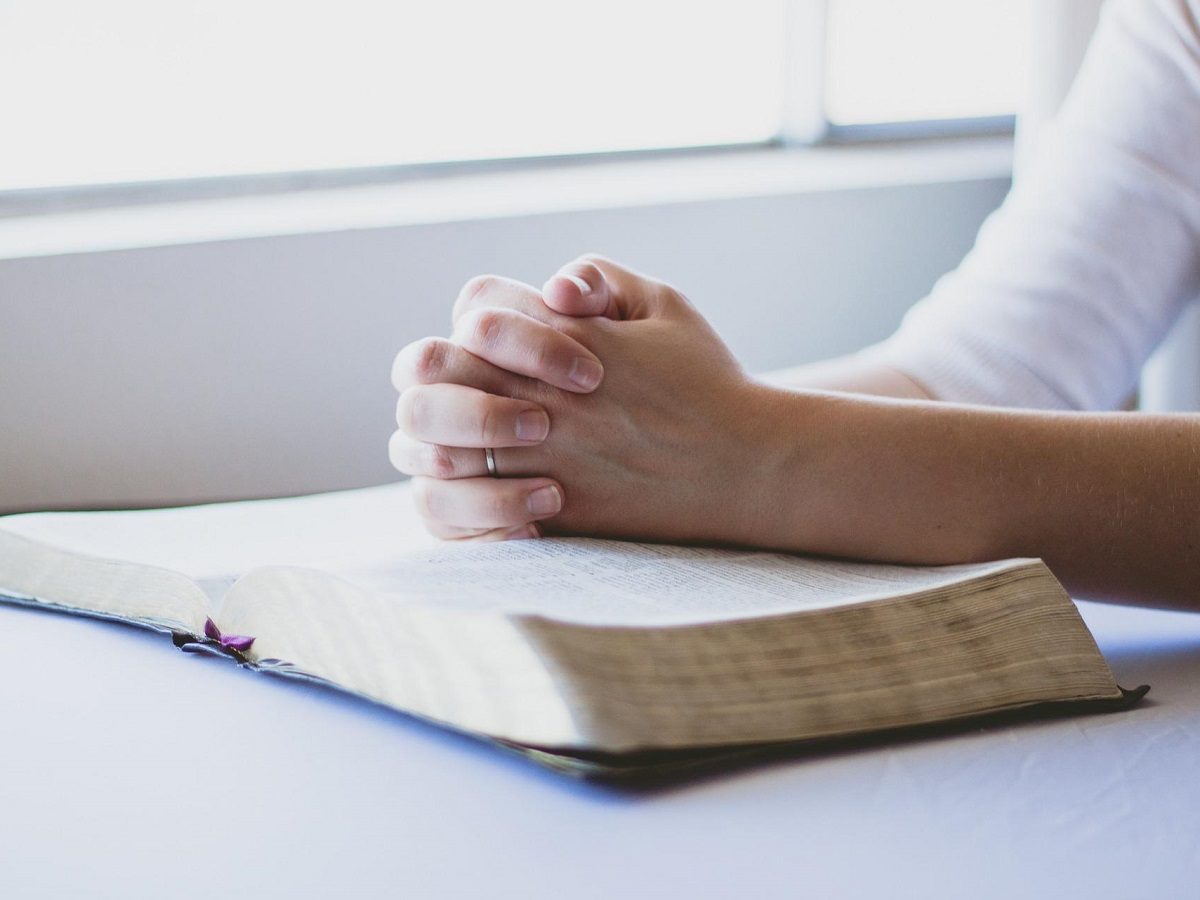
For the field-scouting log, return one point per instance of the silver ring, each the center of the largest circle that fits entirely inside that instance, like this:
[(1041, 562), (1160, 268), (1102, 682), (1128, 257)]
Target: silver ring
[(490, 456)]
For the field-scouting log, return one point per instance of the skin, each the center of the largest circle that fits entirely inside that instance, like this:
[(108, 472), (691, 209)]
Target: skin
[(677, 443)]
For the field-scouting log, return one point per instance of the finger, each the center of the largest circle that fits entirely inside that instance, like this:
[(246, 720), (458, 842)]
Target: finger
[(492, 290), (460, 416), (514, 341), (629, 294), (451, 533), (446, 532), (547, 354), (438, 360), (520, 533), (580, 289), (487, 502), (414, 457)]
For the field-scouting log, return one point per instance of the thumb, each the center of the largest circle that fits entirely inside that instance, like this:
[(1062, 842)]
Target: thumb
[(594, 286), (580, 289)]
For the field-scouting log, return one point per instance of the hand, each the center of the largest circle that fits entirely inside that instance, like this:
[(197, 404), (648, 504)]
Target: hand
[(657, 451), (468, 406)]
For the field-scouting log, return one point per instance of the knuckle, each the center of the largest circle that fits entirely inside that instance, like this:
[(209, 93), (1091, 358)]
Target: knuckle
[(480, 284), (484, 328), (429, 359), (543, 356), (405, 364), (441, 462), (489, 422)]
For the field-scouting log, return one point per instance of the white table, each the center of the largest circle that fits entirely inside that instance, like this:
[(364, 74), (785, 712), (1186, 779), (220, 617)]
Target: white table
[(129, 769), (132, 770)]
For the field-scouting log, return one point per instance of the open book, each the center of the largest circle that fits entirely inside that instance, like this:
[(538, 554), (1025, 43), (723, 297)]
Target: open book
[(586, 654)]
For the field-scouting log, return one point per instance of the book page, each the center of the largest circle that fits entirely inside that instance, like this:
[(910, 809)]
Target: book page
[(474, 670), (39, 574), (211, 544), (214, 541), (618, 582)]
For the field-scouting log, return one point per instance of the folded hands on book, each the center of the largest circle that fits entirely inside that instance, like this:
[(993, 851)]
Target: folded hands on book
[(651, 445), (610, 408)]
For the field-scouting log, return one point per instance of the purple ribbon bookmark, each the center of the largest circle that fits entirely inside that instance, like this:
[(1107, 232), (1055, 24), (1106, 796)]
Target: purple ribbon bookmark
[(239, 642)]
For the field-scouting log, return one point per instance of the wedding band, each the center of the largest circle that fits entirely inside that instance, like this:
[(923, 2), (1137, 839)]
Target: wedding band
[(491, 462)]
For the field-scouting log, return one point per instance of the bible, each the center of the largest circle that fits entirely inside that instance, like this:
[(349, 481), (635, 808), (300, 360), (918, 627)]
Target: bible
[(596, 657)]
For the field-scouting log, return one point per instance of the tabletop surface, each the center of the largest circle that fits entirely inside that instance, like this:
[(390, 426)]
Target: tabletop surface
[(132, 770)]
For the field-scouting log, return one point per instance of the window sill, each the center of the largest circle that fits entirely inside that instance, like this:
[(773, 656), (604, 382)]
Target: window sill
[(552, 189)]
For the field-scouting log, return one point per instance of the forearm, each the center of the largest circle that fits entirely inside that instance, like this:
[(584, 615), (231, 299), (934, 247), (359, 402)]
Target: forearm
[(1110, 501)]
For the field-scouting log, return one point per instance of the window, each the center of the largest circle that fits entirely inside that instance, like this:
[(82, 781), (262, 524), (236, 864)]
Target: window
[(98, 92), (922, 60), (124, 90)]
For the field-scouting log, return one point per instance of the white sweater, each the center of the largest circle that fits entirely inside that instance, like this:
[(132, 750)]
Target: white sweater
[(1095, 252)]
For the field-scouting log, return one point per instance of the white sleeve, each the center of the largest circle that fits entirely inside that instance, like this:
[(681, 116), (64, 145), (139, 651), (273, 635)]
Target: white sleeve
[(1079, 275)]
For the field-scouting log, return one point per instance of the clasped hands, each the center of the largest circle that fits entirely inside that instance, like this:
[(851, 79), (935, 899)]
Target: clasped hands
[(612, 408)]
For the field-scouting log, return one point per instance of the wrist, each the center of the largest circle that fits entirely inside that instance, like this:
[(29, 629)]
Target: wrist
[(781, 435), (843, 475)]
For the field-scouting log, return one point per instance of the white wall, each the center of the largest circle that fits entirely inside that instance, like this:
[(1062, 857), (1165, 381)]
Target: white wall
[(259, 367)]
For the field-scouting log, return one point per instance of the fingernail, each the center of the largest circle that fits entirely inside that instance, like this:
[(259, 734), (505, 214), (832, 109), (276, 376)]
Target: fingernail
[(584, 287), (545, 501), (585, 373), (532, 425)]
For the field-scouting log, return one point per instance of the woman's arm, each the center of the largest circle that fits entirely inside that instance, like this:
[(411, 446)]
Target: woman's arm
[(678, 444), (1111, 501)]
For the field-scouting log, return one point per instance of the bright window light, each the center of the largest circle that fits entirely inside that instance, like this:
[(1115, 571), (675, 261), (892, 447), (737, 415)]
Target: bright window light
[(135, 90), (889, 61), (114, 91)]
